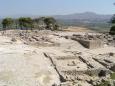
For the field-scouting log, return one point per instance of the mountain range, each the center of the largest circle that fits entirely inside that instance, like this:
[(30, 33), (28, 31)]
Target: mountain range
[(88, 19), (86, 15)]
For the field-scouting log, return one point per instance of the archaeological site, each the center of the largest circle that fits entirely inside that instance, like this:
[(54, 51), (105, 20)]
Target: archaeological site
[(56, 58)]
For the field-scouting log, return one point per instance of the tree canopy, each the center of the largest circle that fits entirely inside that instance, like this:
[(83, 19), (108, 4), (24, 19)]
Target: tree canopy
[(113, 19), (25, 23), (51, 23), (112, 30), (28, 23), (7, 23)]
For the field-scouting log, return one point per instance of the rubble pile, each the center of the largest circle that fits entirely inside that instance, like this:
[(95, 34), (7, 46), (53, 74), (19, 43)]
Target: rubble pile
[(35, 37)]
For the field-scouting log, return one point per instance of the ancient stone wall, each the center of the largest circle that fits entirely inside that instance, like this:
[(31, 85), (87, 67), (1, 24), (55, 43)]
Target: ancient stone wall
[(90, 44)]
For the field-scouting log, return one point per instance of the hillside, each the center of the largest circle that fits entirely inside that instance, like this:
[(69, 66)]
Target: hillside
[(87, 19), (85, 15)]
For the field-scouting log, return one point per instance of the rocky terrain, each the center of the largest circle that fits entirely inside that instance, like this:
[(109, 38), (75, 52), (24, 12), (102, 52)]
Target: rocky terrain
[(60, 58)]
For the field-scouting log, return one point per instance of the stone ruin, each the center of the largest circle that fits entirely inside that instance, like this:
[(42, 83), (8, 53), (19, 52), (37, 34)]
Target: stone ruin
[(107, 60), (77, 68), (91, 44), (88, 41), (34, 37), (93, 41)]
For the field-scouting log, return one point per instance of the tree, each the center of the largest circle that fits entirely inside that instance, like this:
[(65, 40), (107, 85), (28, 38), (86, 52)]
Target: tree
[(28, 23), (25, 23), (16, 23), (7, 23), (113, 19), (39, 23), (56, 27), (112, 30), (51, 23)]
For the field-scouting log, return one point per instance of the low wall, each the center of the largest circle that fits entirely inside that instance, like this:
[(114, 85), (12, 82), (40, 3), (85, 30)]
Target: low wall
[(90, 44)]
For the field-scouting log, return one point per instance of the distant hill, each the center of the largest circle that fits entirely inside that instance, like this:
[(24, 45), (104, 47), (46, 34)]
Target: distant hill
[(86, 15), (88, 19)]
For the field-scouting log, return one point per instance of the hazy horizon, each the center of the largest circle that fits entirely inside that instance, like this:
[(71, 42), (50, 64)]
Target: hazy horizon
[(30, 15)]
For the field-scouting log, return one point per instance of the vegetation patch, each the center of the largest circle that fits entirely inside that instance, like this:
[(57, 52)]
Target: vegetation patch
[(113, 76), (106, 83)]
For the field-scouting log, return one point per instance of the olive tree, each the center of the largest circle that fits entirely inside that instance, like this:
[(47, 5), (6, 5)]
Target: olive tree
[(51, 23), (112, 30), (7, 23), (25, 23)]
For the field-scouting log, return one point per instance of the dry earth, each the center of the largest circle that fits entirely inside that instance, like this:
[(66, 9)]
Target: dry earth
[(23, 65), (26, 65)]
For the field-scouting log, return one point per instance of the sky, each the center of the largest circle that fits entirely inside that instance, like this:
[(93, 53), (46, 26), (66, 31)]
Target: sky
[(55, 7)]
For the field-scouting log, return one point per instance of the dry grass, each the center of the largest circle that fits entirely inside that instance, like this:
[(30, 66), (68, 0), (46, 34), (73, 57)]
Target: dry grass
[(77, 29)]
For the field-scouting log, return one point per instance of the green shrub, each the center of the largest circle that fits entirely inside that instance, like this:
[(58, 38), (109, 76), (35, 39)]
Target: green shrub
[(113, 76), (112, 30), (106, 83)]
